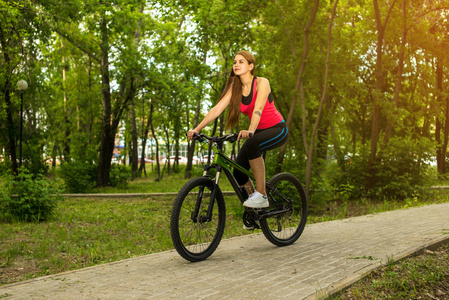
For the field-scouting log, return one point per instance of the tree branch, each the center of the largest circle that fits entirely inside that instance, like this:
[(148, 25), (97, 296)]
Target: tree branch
[(41, 17), (74, 43), (292, 44), (429, 11)]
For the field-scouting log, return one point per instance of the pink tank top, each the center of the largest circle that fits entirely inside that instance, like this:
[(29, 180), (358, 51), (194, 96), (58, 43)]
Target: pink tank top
[(270, 115)]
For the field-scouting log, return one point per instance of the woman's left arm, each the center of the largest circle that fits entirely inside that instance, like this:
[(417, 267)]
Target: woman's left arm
[(263, 90)]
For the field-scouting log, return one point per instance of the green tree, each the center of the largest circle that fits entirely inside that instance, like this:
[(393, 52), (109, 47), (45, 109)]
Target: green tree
[(381, 25), (107, 36), (20, 37)]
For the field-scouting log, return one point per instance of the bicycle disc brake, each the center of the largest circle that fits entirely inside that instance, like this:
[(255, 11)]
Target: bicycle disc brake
[(201, 218)]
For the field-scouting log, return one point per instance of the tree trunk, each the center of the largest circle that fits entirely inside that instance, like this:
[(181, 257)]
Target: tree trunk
[(377, 91), (441, 148), (167, 143), (209, 151), (398, 87), (144, 144), (66, 147), (339, 155), (299, 81), (135, 146), (446, 135), (158, 165), (323, 140), (9, 113), (54, 154), (134, 164), (10, 126), (111, 115), (107, 134), (176, 146), (310, 149), (191, 146)]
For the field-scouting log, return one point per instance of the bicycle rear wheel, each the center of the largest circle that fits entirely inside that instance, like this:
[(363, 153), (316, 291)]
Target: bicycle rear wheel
[(195, 237), (285, 193)]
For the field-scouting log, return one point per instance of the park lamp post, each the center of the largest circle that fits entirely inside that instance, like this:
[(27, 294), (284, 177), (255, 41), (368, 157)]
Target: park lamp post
[(22, 85)]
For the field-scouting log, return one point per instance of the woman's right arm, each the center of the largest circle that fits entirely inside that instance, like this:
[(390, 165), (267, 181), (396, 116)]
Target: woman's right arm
[(214, 113)]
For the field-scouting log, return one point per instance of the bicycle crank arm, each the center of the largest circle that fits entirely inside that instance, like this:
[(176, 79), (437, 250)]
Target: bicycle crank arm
[(272, 213)]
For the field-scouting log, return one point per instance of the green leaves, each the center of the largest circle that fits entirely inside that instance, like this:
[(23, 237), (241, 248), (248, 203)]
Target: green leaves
[(27, 198), (175, 55)]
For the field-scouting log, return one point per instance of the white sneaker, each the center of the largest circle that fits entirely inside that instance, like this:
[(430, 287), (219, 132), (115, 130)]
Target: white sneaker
[(256, 200)]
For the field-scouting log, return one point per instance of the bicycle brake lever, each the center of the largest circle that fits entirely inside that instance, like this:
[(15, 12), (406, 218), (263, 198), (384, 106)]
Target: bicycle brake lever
[(198, 137), (232, 138)]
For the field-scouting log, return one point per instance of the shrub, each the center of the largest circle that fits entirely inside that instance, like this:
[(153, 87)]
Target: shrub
[(119, 175), (78, 176), (350, 172), (26, 198), (404, 170), (5, 166), (33, 158), (401, 171)]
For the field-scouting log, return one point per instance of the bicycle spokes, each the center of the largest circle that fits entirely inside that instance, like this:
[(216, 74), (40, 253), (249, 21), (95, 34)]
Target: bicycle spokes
[(196, 225), (284, 222)]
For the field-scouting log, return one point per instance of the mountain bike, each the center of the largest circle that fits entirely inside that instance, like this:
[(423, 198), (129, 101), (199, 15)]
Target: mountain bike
[(198, 215)]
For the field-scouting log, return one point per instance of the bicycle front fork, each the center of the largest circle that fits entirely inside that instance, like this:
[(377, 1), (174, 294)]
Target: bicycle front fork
[(199, 198)]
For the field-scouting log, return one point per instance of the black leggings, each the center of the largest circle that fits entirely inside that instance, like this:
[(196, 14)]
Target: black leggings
[(263, 139)]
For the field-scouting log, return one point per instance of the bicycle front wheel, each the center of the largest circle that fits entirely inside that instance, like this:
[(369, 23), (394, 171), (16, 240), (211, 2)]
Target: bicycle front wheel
[(288, 204), (195, 235)]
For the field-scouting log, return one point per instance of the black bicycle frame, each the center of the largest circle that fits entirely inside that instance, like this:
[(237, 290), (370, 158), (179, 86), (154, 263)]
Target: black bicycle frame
[(223, 163)]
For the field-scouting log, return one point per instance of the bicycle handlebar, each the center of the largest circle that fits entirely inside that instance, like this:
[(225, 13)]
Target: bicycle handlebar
[(215, 139), (233, 137)]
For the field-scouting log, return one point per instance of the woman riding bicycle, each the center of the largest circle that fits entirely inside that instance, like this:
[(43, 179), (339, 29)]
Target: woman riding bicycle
[(252, 96)]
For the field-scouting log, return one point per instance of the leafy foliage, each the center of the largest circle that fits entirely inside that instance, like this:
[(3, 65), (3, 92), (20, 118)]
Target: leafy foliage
[(172, 58), (120, 175), (81, 176), (78, 176), (27, 197), (403, 171), (351, 172)]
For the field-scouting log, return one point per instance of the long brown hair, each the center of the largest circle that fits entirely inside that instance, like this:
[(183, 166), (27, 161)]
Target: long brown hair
[(236, 96)]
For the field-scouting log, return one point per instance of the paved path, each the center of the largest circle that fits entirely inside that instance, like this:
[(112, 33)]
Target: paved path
[(328, 256)]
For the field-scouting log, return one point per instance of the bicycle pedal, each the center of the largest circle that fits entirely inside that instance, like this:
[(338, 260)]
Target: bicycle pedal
[(249, 228)]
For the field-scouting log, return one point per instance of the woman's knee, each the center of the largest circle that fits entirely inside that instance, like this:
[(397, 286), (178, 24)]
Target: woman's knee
[(253, 150), (240, 177)]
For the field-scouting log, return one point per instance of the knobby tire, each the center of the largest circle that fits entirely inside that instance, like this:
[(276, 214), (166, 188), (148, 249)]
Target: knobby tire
[(285, 229), (196, 239)]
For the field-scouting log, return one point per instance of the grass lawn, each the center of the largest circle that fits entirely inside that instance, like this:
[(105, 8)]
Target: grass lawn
[(421, 277), (90, 231), (170, 183)]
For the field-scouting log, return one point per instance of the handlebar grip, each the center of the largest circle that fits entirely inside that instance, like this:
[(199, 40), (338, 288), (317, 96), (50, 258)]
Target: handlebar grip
[(197, 136), (232, 137)]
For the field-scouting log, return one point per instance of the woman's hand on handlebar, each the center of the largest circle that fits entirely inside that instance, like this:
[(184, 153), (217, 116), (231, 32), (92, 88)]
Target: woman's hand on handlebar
[(244, 134), (191, 133)]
